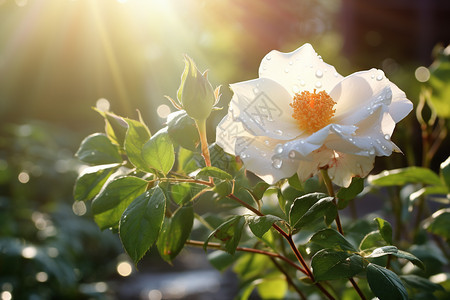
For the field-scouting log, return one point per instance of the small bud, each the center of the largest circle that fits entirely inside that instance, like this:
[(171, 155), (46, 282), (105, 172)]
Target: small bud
[(195, 94)]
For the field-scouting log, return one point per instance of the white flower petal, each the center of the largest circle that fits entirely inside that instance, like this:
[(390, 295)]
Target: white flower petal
[(262, 105), (316, 160), (347, 166), (400, 106), (231, 135), (257, 158), (359, 95), (299, 70)]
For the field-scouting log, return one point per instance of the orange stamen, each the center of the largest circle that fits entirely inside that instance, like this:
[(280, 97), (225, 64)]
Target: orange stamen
[(312, 111)]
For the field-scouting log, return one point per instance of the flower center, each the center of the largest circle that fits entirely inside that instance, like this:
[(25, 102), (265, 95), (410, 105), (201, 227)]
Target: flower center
[(312, 111)]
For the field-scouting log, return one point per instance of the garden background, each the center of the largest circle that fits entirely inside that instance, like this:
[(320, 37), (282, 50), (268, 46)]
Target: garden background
[(60, 58)]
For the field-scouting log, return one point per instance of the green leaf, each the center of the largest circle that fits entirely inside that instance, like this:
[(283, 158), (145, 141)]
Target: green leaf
[(97, 149), (137, 135), (438, 82), (301, 205), (346, 194), (223, 188), (385, 229), (110, 204), (322, 208), (174, 233), (158, 152), (372, 240), (331, 239), (272, 288), (182, 130), (259, 225), (115, 127), (214, 172), (410, 257), (141, 222), (250, 266), (183, 192), (405, 176), (91, 181), (328, 264), (229, 233), (421, 283), (439, 223), (295, 182), (259, 189), (220, 259), (382, 251), (445, 172), (385, 284)]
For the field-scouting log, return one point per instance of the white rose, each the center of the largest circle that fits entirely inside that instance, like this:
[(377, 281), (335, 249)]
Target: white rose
[(301, 116)]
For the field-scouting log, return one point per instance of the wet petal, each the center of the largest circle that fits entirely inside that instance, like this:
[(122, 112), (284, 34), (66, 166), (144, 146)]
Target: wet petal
[(257, 158), (359, 95), (262, 105), (299, 70)]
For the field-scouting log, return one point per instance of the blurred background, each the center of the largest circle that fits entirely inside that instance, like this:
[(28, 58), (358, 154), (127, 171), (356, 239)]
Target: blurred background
[(60, 58)]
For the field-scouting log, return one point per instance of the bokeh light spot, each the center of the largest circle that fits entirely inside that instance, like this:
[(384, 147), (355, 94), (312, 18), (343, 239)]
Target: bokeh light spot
[(422, 74), (6, 295), (103, 104), (124, 268), (23, 177), (41, 276), (79, 208), (29, 252), (154, 295), (163, 111)]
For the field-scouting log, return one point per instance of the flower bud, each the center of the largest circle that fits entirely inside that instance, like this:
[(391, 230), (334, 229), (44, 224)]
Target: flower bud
[(195, 94)]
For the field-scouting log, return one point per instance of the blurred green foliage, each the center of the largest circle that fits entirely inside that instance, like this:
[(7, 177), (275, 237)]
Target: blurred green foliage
[(46, 250)]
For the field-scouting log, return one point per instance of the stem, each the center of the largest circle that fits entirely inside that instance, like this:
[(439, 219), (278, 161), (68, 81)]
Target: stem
[(329, 185), (251, 250), (201, 127), (357, 289), (289, 239)]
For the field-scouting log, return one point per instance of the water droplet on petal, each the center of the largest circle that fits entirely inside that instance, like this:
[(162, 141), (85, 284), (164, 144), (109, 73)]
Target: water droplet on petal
[(279, 148), (384, 147), (156, 206), (302, 142), (279, 132), (268, 57), (302, 83), (387, 137), (277, 163), (291, 62), (319, 74), (320, 58), (295, 89), (266, 142), (380, 77), (255, 91), (372, 76), (372, 152), (292, 154), (263, 154), (318, 84), (336, 74)]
